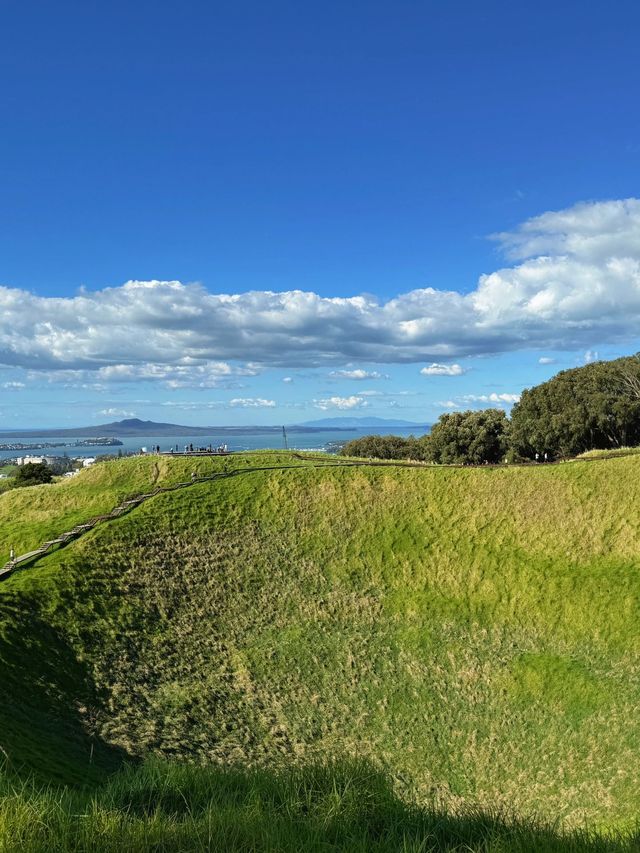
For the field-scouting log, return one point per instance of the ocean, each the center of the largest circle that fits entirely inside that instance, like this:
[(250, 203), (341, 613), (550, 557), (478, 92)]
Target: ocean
[(253, 441)]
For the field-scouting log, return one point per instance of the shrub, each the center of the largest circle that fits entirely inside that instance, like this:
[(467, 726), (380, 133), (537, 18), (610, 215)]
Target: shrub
[(386, 447), (33, 473), (469, 438)]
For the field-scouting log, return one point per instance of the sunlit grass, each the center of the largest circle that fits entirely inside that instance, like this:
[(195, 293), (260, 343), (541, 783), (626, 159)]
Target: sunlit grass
[(163, 807), (472, 634)]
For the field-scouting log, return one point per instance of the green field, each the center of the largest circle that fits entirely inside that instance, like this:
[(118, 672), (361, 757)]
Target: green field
[(469, 637)]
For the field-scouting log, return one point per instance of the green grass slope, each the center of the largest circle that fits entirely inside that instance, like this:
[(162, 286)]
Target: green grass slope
[(171, 807), (472, 634)]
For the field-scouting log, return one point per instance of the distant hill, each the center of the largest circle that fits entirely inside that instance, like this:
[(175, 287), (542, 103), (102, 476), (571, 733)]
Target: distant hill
[(347, 422), (135, 426), (129, 426)]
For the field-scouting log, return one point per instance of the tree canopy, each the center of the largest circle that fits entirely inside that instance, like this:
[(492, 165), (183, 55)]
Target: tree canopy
[(587, 408), (386, 447), (469, 438), (33, 473), (594, 407)]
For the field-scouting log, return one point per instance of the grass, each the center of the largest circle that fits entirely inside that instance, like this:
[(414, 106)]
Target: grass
[(32, 514), (472, 635), (608, 454), (167, 807)]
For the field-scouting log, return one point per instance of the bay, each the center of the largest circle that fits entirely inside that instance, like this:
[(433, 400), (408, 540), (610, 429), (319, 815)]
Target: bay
[(255, 440)]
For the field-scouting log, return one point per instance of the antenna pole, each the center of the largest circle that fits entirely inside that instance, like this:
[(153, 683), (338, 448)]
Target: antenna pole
[(284, 438)]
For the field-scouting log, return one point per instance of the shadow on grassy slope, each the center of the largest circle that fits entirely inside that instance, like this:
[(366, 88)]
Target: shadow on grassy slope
[(169, 807), (47, 700)]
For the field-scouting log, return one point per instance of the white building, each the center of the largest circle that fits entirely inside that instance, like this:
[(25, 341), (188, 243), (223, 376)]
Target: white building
[(35, 460), (89, 460)]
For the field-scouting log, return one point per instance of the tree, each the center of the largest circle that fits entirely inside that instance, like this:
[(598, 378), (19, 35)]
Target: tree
[(385, 447), (586, 408), (631, 377), (33, 473), (469, 438)]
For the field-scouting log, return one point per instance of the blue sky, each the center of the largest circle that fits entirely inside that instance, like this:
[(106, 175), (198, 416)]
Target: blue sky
[(306, 195)]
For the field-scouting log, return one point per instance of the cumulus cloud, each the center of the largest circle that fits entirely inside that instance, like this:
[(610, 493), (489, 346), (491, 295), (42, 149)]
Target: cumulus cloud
[(251, 403), (494, 397), (342, 403), (236, 403), (287, 379), (193, 405), (184, 375), (545, 359), (115, 413), (358, 374), (436, 369), (591, 231), (13, 386), (573, 279)]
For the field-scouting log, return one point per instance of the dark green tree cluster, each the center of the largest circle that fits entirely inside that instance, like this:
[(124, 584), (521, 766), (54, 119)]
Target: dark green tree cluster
[(469, 438), (463, 438), (587, 408), (33, 473), (595, 407), (386, 447)]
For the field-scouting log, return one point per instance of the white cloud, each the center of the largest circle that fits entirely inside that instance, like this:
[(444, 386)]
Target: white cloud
[(342, 403), (448, 404), (13, 386), (251, 403), (182, 375), (589, 356), (573, 280), (115, 413), (436, 369), (358, 374), (545, 359), (236, 403), (287, 379), (494, 397), (592, 231), (193, 405)]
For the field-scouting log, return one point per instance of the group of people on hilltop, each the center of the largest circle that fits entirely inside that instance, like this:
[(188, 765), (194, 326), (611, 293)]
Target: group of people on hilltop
[(189, 448)]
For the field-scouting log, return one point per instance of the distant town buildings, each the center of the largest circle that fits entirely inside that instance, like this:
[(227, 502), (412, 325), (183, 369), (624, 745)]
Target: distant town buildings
[(35, 460), (85, 461)]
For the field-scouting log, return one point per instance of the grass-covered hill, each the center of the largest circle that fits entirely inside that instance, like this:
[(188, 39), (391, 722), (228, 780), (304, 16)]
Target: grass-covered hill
[(471, 635)]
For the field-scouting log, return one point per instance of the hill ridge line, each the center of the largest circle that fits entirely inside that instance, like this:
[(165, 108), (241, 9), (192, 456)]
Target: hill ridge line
[(63, 539), (126, 506)]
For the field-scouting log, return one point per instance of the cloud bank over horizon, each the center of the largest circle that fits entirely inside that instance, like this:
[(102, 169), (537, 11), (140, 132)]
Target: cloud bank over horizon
[(573, 282)]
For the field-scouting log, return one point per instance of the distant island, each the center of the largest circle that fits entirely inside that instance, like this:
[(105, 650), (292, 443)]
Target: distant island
[(136, 427), (44, 445)]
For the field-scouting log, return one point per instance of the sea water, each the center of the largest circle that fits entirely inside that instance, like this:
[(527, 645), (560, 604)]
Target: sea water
[(269, 440)]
